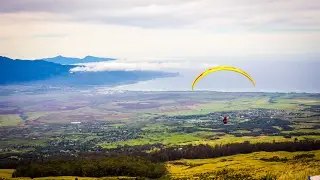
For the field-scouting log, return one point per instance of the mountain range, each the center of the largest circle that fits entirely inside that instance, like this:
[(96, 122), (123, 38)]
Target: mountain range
[(70, 60), (44, 71)]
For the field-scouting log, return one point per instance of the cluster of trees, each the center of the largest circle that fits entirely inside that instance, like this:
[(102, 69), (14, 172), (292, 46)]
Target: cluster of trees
[(108, 166), (313, 108), (297, 157), (206, 151), (275, 159)]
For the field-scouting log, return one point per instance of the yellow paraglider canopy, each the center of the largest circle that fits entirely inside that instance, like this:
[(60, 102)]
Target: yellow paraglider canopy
[(222, 68)]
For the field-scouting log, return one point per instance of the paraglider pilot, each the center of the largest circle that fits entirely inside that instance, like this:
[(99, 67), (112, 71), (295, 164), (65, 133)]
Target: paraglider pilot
[(225, 120)]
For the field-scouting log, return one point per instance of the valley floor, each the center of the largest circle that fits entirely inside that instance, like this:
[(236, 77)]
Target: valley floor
[(68, 123)]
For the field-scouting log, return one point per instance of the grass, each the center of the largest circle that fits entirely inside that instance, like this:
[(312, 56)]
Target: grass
[(259, 139), (250, 163), (6, 173), (304, 101), (302, 131), (206, 108), (198, 138), (23, 142), (277, 127), (163, 138), (116, 125), (10, 120), (35, 115), (242, 163), (156, 128), (237, 104), (241, 131)]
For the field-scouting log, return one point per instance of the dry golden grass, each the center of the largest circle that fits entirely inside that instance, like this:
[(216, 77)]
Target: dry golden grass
[(250, 164), (6, 173)]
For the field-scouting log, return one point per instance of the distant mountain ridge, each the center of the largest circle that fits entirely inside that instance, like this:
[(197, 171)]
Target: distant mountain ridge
[(70, 60), (44, 72), (16, 71)]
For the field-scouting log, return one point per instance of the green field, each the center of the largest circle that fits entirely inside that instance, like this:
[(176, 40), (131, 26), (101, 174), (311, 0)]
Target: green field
[(200, 138), (23, 142), (10, 120), (243, 104), (166, 139)]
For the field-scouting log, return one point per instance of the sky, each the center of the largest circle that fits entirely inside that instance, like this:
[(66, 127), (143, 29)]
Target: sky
[(151, 29), (275, 41)]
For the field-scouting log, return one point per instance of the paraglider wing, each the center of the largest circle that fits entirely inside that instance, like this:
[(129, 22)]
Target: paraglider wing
[(222, 68)]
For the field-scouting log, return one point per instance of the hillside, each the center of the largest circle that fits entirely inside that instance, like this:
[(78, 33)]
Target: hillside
[(17, 71), (279, 165), (254, 166)]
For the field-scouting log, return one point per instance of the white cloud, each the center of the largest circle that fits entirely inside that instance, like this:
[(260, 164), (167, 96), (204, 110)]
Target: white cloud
[(151, 64)]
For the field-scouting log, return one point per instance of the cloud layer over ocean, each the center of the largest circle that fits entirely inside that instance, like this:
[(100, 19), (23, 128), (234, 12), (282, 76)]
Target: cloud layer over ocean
[(152, 65)]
